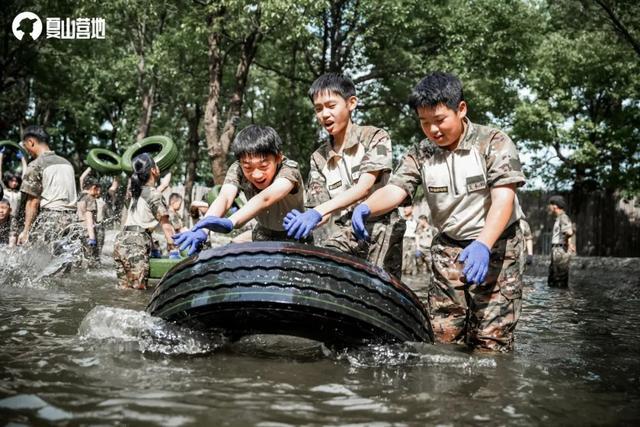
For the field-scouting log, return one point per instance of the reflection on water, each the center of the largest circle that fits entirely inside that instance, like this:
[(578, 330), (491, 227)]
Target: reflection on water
[(77, 350)]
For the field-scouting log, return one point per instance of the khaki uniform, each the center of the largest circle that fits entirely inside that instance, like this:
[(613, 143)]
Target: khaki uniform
[(133, 244), (366, 149), (409, 265), (457, 186), (560, 253), (52, 179), (176, 220), (87, 203), (526, 235), (269, 221)]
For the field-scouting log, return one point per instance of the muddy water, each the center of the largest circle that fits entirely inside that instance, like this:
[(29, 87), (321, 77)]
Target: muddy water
[(76, 351)]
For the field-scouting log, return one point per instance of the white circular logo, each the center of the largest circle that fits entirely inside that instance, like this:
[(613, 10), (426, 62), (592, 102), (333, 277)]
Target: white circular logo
[(27, 23)]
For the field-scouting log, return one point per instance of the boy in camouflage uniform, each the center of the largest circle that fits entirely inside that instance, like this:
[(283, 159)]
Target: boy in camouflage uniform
[(50, 189), (469, 174), (561, 247), (87, 211), (175, 204), (352, 163), (272, 184)]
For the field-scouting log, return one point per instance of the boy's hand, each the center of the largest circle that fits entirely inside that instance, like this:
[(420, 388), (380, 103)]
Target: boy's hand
[(302, 224), (288, 218), (215, 224), (190, 239), (358, 218), (476, 261)]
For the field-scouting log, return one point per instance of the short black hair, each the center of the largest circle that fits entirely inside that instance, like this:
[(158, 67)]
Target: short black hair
[(558, 201), (437, 88), (4, 201), (332, 82), (89, 182), (36, 132), (8, 176), (174, 196), (256, 140)]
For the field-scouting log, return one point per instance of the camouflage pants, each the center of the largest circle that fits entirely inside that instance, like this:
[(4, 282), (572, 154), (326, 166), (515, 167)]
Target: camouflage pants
[(559, 267), (483, 316), (409, 265), (384, 248), (59, 231), (131, 253), (263, 234), (92, 253), (423, 262)]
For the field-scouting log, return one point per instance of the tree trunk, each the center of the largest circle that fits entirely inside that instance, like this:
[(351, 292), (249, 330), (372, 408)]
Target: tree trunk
[(249, 49), (212, 111), (147, 110), (193, 143)]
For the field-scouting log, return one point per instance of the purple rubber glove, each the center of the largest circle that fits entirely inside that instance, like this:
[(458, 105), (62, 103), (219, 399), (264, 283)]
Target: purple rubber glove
[(476, 261), (215, 224), (92, 242), (358, 219), (302, 224), (190, 239), (418, 253)]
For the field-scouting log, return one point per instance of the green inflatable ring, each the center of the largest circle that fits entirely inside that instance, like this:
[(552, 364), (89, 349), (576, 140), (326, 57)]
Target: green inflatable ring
[(15, 146), (215, 191), (104, 161), (164, 151)]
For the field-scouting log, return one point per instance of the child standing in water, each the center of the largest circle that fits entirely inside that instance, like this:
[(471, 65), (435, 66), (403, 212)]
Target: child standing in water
[(147, 209)]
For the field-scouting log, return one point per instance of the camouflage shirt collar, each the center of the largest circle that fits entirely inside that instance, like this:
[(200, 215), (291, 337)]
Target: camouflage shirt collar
[(351, 139), (469, 136)]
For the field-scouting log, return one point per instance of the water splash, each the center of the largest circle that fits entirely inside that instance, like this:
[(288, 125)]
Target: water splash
[(26, 267), (132, 330)]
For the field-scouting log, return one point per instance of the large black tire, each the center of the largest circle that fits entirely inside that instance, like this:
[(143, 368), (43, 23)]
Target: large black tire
[(16, 147), (104, 161), (291, 289), (162, 148)]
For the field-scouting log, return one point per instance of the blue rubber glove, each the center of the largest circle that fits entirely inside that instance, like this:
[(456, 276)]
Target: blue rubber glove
[(358, 219), (215, 224), (476, 261), (92, 242), (301, 225), (2, 149), (190, 239), (19, 155), (174, 254), (232, 210), (289, 217), (418, 253)]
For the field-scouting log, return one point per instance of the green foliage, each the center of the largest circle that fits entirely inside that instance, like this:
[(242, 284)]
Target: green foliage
[(560, 77)]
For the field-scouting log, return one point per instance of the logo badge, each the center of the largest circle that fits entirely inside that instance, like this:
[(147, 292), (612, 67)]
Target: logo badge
[(27, 23)]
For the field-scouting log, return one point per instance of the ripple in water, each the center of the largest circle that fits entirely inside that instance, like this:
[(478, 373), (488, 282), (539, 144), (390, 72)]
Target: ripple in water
[(131, 330)]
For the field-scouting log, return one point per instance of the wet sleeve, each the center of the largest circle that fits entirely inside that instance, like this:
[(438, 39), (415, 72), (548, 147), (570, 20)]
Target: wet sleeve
[(317, 192), (503, 163), (234, 175), (157, 205), (407, 174), (32, 181), (378, 154)]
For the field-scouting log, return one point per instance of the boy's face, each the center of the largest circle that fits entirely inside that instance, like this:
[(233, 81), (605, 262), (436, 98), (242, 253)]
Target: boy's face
[(176, 203), (442, 125), (5, 211), (333, 111), (94, 191), (260, 170), (13, 183)]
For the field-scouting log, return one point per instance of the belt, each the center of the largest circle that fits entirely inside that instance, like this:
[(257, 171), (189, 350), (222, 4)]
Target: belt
[(135, 228), (508, 233), (557, 245)]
